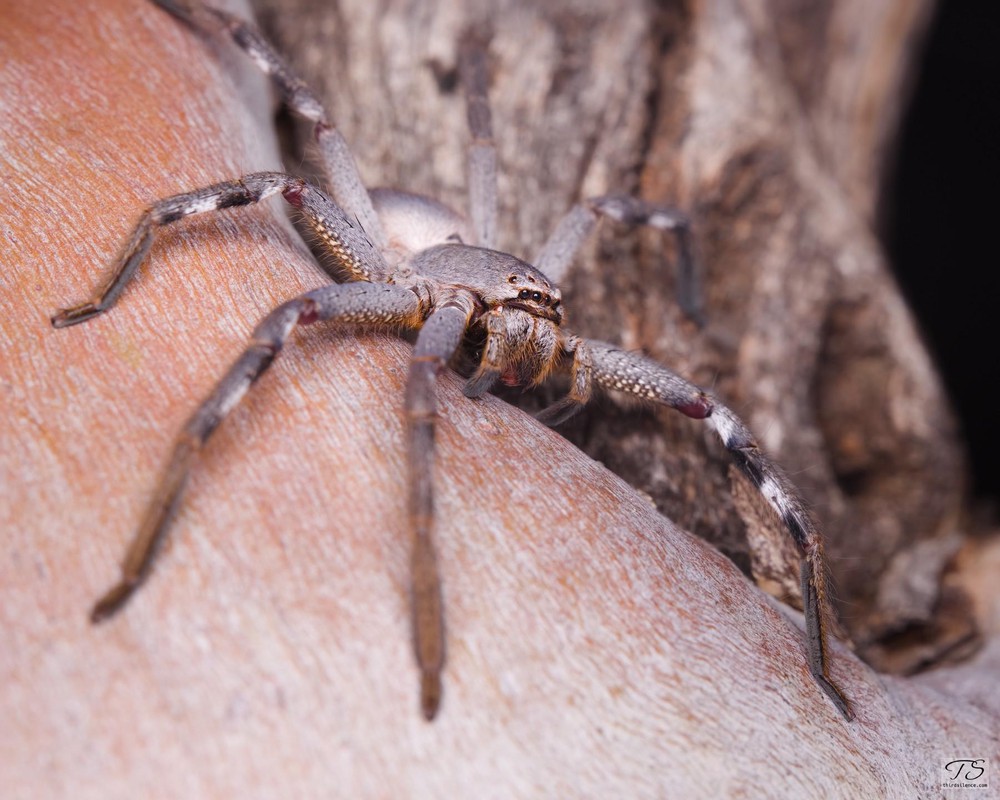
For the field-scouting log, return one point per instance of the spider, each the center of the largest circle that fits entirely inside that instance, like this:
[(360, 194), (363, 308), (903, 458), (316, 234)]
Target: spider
[(411, 263)]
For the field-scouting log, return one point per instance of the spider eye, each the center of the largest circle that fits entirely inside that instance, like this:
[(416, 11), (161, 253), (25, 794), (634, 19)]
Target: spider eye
[(525, 294), (536, 296)]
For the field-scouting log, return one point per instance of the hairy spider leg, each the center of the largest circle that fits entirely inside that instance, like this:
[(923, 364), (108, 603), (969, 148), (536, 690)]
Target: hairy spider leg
[(361, 304), (354, 255), (482, 158), (614, 370), (437, 341), (502, 334), (339, 166), (581, 379), (557, 253)]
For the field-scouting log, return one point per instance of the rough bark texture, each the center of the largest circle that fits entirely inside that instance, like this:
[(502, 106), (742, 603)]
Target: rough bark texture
[(595, 649), (769, 122)]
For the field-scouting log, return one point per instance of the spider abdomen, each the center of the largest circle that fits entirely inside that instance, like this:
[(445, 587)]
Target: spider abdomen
[(415, 222)]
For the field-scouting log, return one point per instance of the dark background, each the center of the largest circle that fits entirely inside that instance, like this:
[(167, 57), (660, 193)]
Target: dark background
[(941, 216)]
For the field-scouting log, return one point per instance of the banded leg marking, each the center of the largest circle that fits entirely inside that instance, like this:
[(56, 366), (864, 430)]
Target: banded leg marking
[(619, 371), (339, 165), (781, 495), (352, 252)]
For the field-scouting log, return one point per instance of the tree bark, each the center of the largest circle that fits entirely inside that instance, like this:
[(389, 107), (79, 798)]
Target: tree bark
[(770, 123), (595, 649)]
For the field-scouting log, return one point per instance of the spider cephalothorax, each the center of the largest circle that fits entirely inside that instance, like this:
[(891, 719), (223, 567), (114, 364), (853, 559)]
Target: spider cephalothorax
[(411, 263)]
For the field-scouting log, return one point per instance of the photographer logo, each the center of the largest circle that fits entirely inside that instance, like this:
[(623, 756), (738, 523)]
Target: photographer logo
[(965, 773)]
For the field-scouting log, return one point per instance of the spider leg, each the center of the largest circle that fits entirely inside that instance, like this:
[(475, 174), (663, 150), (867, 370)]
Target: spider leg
[(495, 355), (437, 341), (581, 385), (338, 163), (482, 151), (569, 235), (359, 304), (520, 348), (614, 370), (502, 335), (353, 253)]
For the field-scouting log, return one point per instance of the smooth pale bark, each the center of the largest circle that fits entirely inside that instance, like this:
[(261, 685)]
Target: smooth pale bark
[(594, 648)]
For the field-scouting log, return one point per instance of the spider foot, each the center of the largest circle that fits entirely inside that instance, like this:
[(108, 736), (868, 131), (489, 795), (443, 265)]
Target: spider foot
[(480, 383), (837, 696), (112, 601), (182, 10), (74, 315), (430, 693), (559, 411)]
